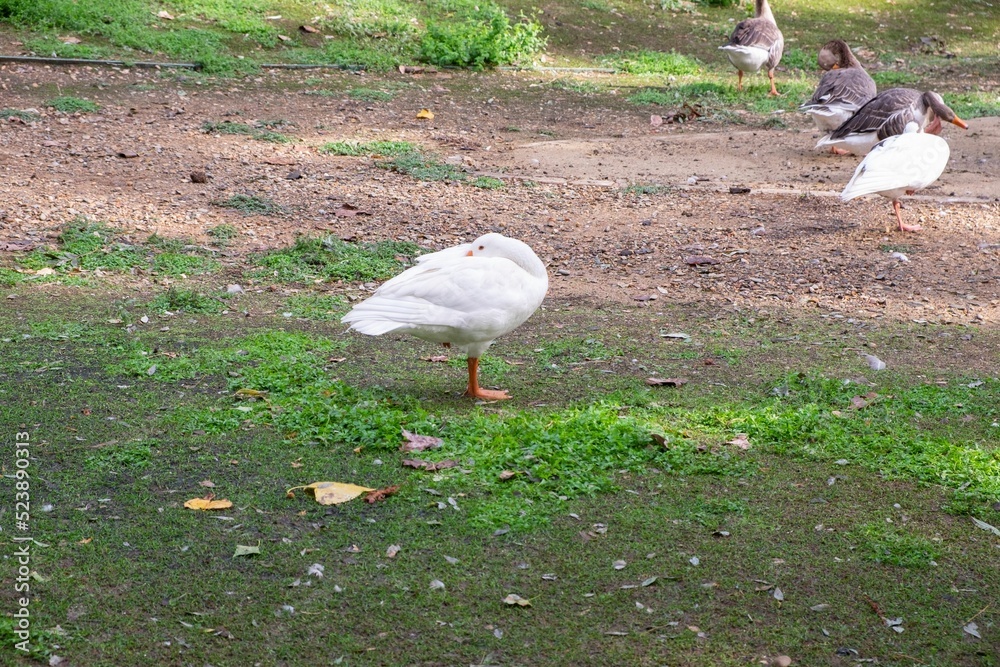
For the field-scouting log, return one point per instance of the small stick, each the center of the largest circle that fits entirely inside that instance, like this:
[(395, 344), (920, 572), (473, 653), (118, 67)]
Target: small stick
[(875, 607), (979, 612)]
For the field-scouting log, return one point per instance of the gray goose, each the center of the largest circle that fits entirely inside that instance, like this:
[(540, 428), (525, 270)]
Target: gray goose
[(842, 90), (886, 115), (756, 43)]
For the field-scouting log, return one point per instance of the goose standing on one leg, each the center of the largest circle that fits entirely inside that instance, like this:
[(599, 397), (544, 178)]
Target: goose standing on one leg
[(844, 87), (756, 43), (901, 164), (465, 296), (886, 115)]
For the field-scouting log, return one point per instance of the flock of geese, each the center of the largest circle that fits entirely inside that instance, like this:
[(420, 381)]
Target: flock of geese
[(896, 130), (468, 295)]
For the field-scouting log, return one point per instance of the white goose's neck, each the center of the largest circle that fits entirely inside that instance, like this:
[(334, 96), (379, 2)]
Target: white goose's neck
[(529, 261)]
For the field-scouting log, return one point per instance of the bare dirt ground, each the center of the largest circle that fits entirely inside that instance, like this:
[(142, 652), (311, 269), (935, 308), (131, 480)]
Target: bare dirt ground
[(566, 159)]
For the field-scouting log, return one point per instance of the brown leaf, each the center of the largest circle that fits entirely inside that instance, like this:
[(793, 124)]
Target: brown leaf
[(418, 443), (438, 358), (655, 120), (308, 28), (508, 474), (668, 382), (207, 483), (742, 440), (381, 494), (14, 246), (861, 402), (284, 38), (430, 466), (71, 40), (165, 15), (660, 440), (349, 211), (697, 260)]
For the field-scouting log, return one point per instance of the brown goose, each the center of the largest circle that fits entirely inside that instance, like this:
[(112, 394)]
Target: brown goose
[(886, 115), (756, 43), (843, 88)]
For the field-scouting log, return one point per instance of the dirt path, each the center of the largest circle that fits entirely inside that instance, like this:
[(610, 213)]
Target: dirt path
[(786, 243)]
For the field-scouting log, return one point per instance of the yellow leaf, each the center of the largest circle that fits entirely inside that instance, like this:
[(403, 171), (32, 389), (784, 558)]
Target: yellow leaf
[(250, 393), (425, 114), (48, 271), (333, 493), (207, 504), (85, 540), (514, 598)]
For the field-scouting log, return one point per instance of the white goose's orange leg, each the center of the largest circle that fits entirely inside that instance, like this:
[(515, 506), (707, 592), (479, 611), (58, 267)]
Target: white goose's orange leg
[(899, 218), (475, 391), (739, 81)]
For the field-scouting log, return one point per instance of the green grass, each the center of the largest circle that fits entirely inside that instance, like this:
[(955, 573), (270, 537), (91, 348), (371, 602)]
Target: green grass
[(370, 95), (184, 300), (883, 543), (317, 307), (26, 116), (252, 205), (330, 258), (551, 490), (368, 148), (974, 105), (639, 189), (68, 104), (222, 235), (259, 131), (653, 62), (423, 167), (83, 245), (233, 37)]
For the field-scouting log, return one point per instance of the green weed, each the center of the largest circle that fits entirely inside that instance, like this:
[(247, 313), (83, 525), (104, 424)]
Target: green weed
[(317, 307), (252, 205), (368, 148), (118, 458), (423, 167), (72, 105), (222, 235), (488, 183), (182, 300), (330, 258), (370, 95), (26, 116), (886, 544), (653, 62)]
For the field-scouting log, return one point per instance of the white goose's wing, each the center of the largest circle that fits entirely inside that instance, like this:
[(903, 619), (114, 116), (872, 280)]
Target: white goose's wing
[(470, 299), (908, 161), (453, 252)]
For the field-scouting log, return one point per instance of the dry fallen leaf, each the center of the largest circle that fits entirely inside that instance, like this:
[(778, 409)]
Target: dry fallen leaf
[(381, 494), (425, 114), (165, 15), (439, 358), (698, 260), (207, 503), (392, 551), (666, 382), (331, 493), (250, 393), (515, 599), (418, 443), (243, 550), (207, 483), (430, 466), (742, 440), (507, 474)]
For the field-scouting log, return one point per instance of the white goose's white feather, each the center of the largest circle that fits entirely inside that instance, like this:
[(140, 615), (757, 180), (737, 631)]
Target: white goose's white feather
[(901, 163), (457, 298)]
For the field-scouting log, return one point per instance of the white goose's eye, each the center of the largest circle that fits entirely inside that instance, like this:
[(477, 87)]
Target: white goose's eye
[(482, 247)]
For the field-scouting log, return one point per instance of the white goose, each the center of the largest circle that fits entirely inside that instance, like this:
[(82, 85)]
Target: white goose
[(843, 88), (465, 296), (756, 43), (901, 164)]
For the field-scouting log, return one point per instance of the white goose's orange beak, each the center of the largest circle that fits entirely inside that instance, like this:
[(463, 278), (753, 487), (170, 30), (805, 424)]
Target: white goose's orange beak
[(468, 254), (961, 123)]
